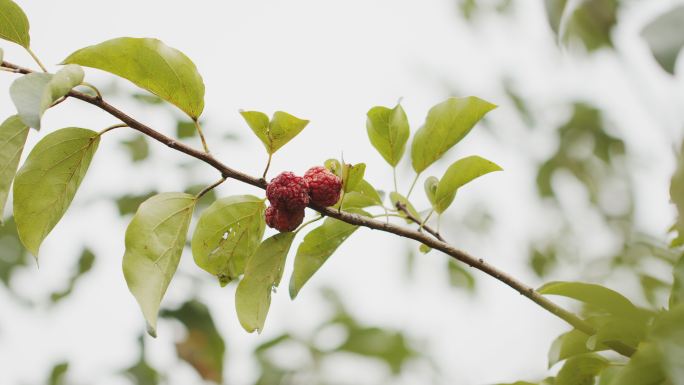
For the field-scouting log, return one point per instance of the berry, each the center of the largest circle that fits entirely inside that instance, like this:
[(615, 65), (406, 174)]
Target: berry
[(324, 186), (283, 220), (288, 192)]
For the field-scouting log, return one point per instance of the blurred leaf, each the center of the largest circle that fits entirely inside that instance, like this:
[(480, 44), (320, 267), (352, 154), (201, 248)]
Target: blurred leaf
[(519, 104), (33, 93), (137, 147), (651, 286), (262, 275), (15, 25), (424, 248), (430, 186), (665, 37), (274, 133), (352, 175), (596, 295), (84, 265), (149, 64), (388, 131), (581, 370), (128, 204), (13, 133), (318, 245), (677, 294), (568, 345), (543, 261), (446, 124), (203, 346), (459, 276), (643, 368), (677, 192), (227, 234), (47, 182), (141, 373), (668, 336), (185, 129), (58, 374), (12, 253), (630, 330), (390, 347), (590, 22), (154, 242), (457, 175)]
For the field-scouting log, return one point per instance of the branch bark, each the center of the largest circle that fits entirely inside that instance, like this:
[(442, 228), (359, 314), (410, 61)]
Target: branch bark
[(435, 242)]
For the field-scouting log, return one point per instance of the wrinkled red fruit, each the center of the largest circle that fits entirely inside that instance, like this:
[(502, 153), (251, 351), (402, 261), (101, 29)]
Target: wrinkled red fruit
[(288, 192), (324, 186), (283, 220)]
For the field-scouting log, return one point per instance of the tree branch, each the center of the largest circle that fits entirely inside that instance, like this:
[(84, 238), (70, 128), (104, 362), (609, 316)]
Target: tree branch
[(354, 219), (402, 207)]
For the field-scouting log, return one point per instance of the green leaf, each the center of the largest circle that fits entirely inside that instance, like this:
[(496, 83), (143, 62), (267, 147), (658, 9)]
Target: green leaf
[(628, 329), (364, 195), (334, 166), (643, 368), (47, 182), (227, 234), (677, 293), (138, 148), (459, 276), (388, 131), (318, 245), (154, 243), (13, 133), (430, 185), (677, 191), (83, 266), (275, 133), (592, 294), (203, 346), (395, 197), (262, 275), (668, 335), (568, 345), (389, 346), (458, 174), (446, 124), (33, 93), (581, 370), (665, 37), (149, 64), (352, 175), (589, 22), (14, 25)]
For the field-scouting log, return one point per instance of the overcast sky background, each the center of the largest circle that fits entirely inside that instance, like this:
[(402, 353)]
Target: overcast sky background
[(330, 62)]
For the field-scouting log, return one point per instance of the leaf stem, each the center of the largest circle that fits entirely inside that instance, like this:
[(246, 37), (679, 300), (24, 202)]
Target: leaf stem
[(413, 184), (209, 188), (35, 58), (394, 176), (318, 218), (92, 87), (201, 135), (106, 130), (268, 165)]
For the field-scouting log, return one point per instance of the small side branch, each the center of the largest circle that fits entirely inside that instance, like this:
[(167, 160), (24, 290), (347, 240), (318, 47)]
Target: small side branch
[(402, 207)]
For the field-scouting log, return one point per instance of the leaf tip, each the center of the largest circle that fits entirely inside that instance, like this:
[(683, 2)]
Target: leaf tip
[(151, 330)]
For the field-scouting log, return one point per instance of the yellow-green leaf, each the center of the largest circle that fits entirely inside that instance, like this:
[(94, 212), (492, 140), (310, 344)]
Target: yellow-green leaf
[(318, 245), (388, 131), (227, 234), (364, 195), (446, 124), (154, 243), (33, 93), (47, 182), (262, 275), (430, 185), (149, 64), (352, 175), (581, 370), (274, 133), (458, 174), (13, 133), (14, 25), (595, 295)]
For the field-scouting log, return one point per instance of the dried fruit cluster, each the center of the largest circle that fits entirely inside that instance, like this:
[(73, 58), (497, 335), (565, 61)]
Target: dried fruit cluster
[(289, 195)]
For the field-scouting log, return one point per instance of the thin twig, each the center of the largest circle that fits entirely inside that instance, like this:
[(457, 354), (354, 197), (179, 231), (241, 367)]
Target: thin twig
[(402, 207), (106, 130), (355, 219), (209, 188)]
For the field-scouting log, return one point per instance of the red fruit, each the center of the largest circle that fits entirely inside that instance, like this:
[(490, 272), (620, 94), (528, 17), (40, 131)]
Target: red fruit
[(288, 192), (324, 186), (283, 220)]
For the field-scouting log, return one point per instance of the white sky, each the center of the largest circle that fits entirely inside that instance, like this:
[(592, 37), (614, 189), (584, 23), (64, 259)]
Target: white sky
[(330, 62)]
